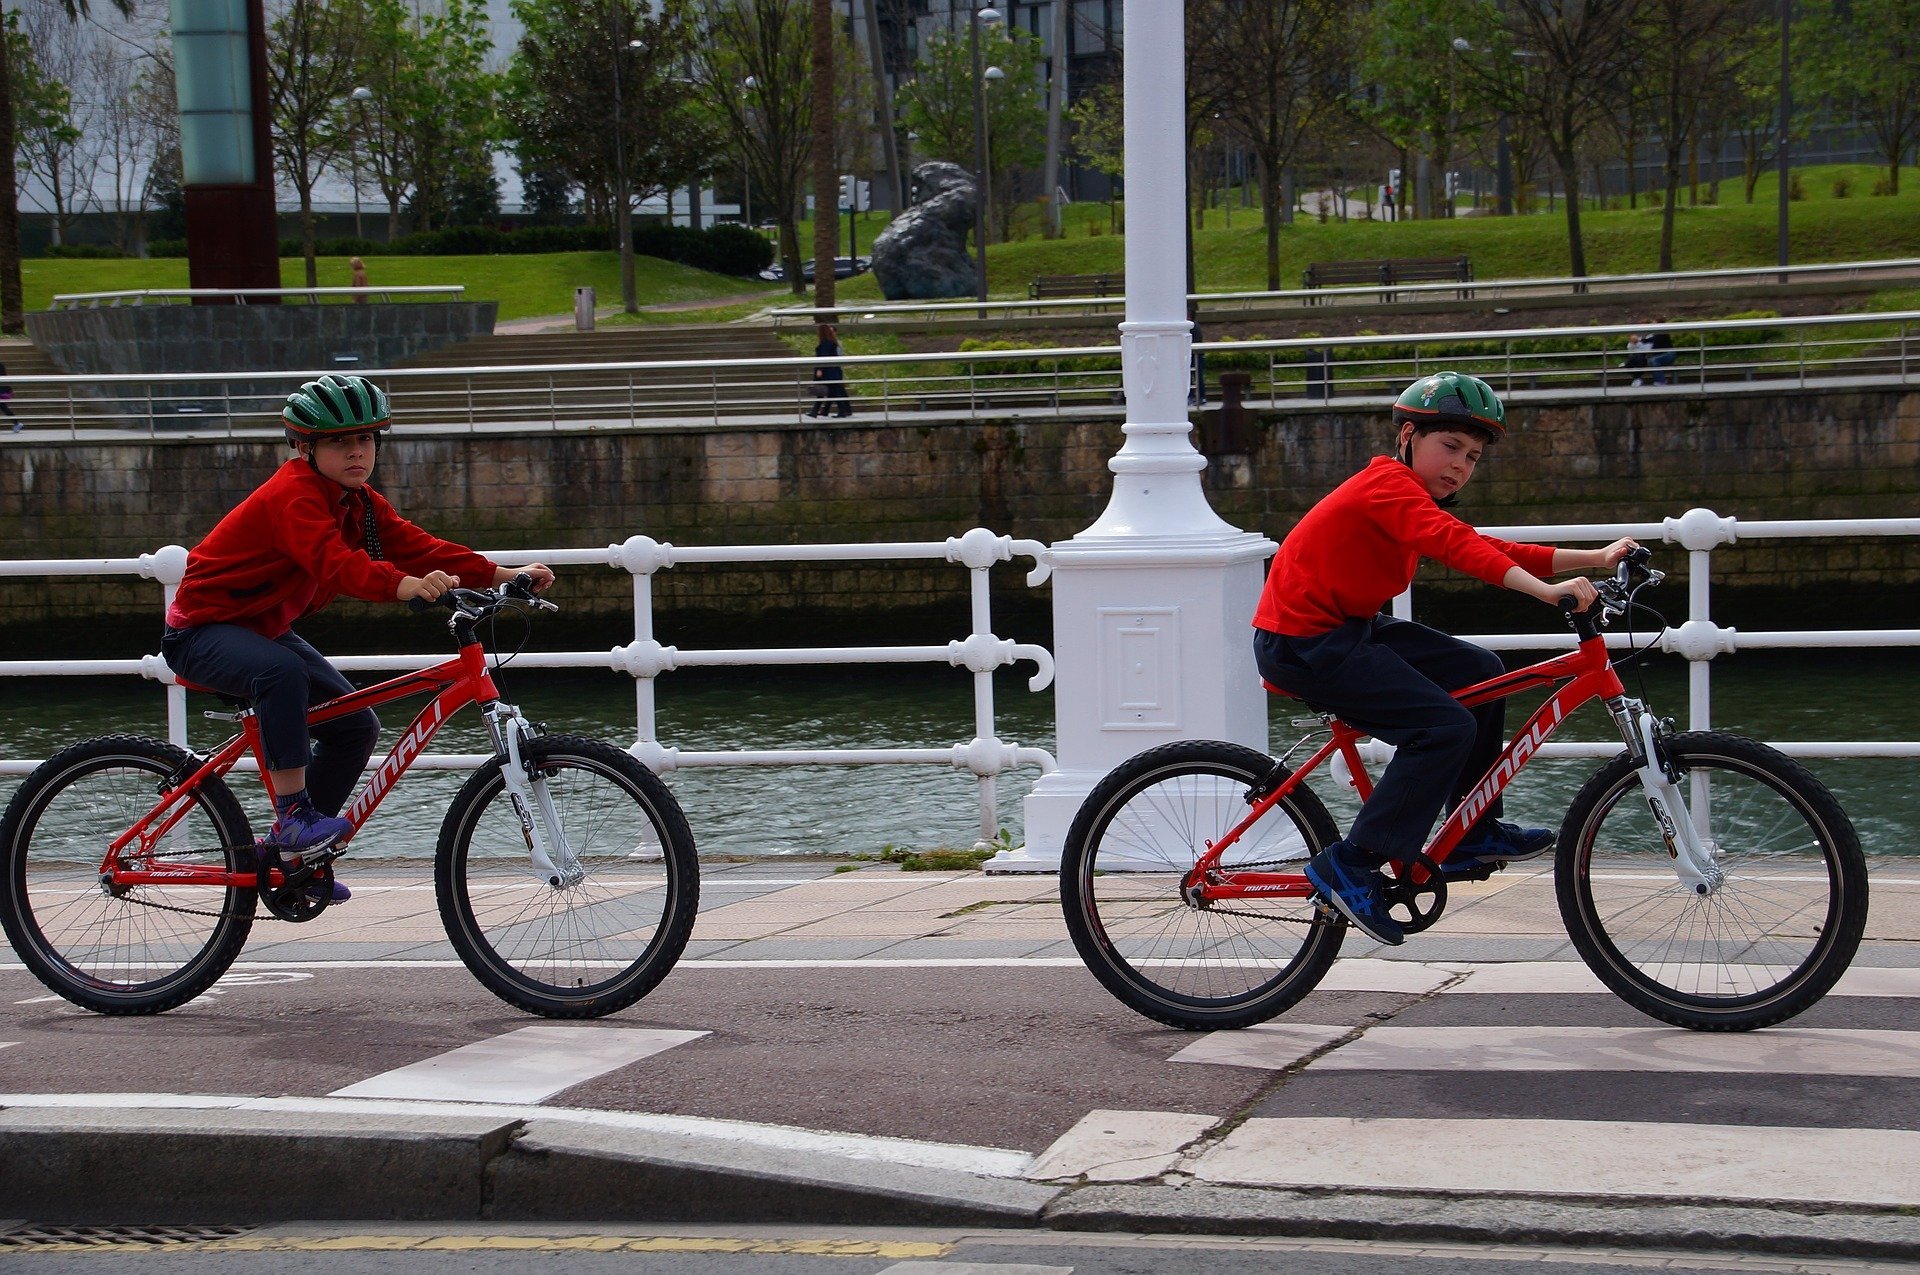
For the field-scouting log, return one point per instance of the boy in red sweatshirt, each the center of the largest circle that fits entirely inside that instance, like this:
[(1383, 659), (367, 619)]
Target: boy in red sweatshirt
[(1319, 634), (313, 530)]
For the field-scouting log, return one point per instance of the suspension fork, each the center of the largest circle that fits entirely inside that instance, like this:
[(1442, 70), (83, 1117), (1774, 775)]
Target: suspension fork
[(1660, 785), (553, 859)]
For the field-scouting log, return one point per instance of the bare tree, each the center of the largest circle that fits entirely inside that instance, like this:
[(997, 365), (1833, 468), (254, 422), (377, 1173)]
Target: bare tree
[(826, 220), (755, 69), (1692, 56), (313, 55), (1273, 69), (63, 149), (1559, 65)]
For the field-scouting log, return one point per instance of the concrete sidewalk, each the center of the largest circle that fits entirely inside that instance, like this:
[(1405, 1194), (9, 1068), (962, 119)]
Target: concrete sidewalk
[(102, 1157)]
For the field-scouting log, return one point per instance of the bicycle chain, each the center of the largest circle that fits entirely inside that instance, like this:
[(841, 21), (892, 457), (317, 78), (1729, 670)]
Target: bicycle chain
[(169, 907), (1261, 916)]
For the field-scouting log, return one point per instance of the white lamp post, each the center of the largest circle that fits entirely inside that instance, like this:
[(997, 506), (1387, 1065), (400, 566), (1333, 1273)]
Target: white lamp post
[(623, 197), (359, 97), (987, 14), (1153, 604)]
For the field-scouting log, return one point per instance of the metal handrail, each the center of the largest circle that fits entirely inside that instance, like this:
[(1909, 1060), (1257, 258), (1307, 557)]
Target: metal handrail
[(985, 755), (1669, 280), (239, 296), (1868, 349)]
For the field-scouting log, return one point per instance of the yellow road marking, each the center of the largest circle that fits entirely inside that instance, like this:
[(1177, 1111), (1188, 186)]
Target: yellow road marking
[(896, 1249)]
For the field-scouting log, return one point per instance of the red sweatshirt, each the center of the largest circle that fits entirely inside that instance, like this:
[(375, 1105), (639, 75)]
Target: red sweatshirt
[(1357, 549), (298, 540)]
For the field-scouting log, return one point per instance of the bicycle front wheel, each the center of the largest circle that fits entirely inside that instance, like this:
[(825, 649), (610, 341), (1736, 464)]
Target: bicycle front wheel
[(114, 949), (1199, 967), (1769, 941), (575, 950)]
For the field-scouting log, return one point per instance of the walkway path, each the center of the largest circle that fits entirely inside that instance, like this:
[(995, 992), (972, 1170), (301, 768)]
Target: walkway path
[(940, 1024)]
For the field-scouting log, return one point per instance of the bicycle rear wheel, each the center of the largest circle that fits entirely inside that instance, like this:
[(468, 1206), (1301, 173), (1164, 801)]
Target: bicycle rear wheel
[(580, 950), (1196, 967), (1769, 941), (120, 950)]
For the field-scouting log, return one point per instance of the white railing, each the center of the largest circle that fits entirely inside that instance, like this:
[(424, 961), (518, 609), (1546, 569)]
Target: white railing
[(245, 296), (985, 756), (1698, 639), (1538, 364), (1222, 304)]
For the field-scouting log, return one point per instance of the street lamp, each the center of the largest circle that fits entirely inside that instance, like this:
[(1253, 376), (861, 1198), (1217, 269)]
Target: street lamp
[(987, 14), (990, 77), (359, 97), (747, 86), (623, 201)]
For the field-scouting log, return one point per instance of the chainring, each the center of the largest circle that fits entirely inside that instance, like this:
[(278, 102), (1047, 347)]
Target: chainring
[(1415, 904)]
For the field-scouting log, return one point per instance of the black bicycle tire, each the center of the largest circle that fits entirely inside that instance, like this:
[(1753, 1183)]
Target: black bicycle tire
[(1840, 932), (1139, 993), (30, 942), (678, 857)]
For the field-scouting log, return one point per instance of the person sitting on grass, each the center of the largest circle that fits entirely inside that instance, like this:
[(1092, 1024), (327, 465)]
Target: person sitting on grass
[(316, 528), (1320, 634)]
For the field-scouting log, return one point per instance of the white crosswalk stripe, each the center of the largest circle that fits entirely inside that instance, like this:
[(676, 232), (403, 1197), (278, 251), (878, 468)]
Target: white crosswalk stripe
[(525, 1066)]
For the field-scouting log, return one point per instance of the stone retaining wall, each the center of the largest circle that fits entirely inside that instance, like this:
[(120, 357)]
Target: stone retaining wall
[(1756, 457)]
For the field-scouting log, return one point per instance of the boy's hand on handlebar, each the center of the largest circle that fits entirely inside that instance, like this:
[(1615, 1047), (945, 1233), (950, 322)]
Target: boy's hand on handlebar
[(426, 588), (542, 575), (1609, 557), (1580, 589)]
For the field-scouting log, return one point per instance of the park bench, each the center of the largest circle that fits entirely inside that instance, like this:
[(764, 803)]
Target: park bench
[(1077, 285), (1389, 270)]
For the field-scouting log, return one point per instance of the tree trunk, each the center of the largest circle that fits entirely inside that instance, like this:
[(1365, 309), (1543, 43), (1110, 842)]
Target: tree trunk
[(1056, 107), (12, 295), (1666, 213), (1569, 166), (1270, 199), (826, 186), (306, 235), (899, 184)]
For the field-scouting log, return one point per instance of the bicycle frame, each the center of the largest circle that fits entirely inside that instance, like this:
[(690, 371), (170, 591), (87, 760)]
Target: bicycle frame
[(1587, 674), (462, 680)]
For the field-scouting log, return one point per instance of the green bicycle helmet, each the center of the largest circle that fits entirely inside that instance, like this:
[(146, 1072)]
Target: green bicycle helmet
[(336, 405), (1447, 399)]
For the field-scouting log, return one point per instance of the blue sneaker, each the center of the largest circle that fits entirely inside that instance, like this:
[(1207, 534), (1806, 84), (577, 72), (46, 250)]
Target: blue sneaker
[(1344, 878), (304, 828), (1495, 840), (267, 859)]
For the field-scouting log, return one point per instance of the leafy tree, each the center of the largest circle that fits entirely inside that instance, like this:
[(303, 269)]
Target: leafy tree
[(430, 124), (546, 193), (939, 105), (1866, 55), (1098, 122), (570, 68), (826, 224), (1420, 101), (51, 137), (755, 73), (313, 62), (1274, 70)]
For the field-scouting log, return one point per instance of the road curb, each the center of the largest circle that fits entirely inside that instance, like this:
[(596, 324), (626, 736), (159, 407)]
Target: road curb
[(1770, 1228), (204, 1166)]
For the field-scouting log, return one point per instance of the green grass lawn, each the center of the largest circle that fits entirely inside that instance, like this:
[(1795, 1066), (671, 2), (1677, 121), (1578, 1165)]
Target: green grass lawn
[(525, 285), (1733, 233)]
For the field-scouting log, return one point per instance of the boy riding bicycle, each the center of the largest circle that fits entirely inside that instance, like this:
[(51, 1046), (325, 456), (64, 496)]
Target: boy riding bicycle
[(313, 530), (1320, 635)]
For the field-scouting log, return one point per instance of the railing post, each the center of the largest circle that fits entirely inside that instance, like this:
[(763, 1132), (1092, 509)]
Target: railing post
[(473, 424)]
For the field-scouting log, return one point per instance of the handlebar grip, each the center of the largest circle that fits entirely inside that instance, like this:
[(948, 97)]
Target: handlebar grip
[(420, 606), (1568, 603)]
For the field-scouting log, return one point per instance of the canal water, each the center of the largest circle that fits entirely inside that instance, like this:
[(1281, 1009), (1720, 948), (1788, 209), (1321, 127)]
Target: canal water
[(815, 810)]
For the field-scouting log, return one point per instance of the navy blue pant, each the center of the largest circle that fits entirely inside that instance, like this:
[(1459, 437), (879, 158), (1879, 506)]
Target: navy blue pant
[(1391, 678), (282, 676)]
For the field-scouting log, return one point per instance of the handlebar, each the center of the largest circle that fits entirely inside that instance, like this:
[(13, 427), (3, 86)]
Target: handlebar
[(1631, 574), (476, 604)]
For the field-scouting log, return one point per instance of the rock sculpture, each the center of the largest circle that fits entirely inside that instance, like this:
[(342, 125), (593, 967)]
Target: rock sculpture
[(922, 254)]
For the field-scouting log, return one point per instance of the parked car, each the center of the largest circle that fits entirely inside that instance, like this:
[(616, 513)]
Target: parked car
[(843, 268)]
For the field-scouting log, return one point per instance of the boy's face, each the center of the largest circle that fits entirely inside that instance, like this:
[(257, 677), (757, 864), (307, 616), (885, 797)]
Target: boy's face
[(345, 458), (1443, 459)]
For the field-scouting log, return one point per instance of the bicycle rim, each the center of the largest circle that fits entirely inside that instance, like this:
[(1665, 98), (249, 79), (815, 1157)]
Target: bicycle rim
[(1764, 945), (591, 947), (140, 949), (1224, 965)]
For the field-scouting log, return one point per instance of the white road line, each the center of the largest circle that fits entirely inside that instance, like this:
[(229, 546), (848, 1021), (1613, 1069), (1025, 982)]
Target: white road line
[(990, 1161), (524, 1066), (972, 1268), (1572, 1157), (1119, 1146), (1781, 1051), (1562, 977)]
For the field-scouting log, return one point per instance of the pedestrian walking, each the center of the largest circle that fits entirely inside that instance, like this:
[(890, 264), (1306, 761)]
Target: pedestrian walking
[(6, 401), (359, 277), (829, 379)]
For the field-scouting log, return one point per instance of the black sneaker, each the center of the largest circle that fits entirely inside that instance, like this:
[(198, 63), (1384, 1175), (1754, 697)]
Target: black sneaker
[(1352, 885)]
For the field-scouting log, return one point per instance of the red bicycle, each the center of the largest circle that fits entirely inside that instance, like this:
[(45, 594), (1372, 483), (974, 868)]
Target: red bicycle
[(565, 871), (1708, 880)]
